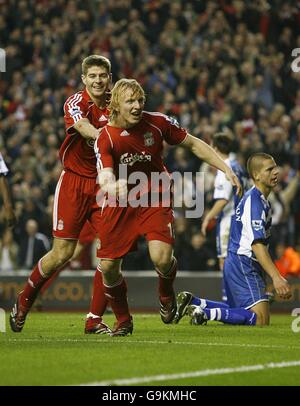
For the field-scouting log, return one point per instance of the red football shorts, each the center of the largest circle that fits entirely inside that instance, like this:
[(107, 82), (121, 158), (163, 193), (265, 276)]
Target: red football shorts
[(74, 202), (87, 234), (119, 228)]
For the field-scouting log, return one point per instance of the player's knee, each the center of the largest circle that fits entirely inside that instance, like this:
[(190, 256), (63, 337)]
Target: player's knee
[(63, 255), (109, 267), (161, 255), (163, 264), (262, 319), (111, 272)]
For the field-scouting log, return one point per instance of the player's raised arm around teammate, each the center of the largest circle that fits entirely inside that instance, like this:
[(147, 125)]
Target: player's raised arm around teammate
[(86, 129)]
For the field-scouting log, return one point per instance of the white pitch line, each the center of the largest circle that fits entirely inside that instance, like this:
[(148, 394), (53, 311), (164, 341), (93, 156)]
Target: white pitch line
[(168, 342), (195, 374)]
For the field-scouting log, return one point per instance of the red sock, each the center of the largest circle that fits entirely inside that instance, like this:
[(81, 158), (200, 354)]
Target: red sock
[(49, 282), (117, 298), (35, 282), (165, 285), (52, 278), (99, 300)]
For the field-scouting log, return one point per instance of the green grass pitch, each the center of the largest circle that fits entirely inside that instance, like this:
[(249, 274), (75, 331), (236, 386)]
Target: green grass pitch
[(52, 350)]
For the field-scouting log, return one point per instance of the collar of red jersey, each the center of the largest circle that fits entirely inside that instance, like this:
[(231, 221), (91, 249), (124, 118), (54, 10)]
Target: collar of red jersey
[(86, 96)]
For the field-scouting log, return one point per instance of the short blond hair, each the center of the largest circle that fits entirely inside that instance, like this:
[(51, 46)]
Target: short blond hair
[(118, 90)]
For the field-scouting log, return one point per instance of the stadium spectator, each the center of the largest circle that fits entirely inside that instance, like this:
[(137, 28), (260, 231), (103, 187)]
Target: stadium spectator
[(75, 195), (134, 138), (8, 252), (34, 245), (247, 259), (199, 255)]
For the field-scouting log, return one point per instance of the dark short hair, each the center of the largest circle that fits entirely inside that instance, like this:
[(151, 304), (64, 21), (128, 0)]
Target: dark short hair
[(223, 142), (255, 161), (95, 60)]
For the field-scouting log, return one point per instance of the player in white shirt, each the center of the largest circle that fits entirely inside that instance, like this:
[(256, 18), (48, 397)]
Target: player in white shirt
[(225, 197)]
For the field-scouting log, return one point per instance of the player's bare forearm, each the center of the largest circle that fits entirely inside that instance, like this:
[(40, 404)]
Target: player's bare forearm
[(262, 254), (280, 284), (289, 192), (106, 179), (86, 129), (217, 208), (108, 183), (214, 212), (207, 154)]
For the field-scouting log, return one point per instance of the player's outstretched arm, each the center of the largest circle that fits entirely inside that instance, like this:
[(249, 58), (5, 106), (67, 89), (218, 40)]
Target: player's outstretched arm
[(207, 154), (280, 284), (86, 129)]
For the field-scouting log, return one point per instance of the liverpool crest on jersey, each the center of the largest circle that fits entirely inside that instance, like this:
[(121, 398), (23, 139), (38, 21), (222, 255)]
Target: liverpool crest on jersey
[(148, 139)]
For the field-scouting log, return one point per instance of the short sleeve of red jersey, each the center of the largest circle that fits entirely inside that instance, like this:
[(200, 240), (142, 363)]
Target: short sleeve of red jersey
[(173, 134), (103, 150), (75, 108)]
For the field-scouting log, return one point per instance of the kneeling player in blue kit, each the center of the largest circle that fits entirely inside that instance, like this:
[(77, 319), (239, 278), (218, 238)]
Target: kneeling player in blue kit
[(248, 258)]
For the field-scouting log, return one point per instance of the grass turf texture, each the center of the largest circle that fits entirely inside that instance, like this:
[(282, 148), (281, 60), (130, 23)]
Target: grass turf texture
[(52, 350)]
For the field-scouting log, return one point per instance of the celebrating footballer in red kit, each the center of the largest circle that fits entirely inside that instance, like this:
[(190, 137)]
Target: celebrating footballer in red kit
[(85, 113), (135, 138)]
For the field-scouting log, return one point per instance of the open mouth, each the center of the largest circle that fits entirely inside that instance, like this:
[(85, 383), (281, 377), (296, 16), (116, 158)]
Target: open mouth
[(136, 114)]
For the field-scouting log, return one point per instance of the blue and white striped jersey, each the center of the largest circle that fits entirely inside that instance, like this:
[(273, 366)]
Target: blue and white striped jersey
[(251, 222)]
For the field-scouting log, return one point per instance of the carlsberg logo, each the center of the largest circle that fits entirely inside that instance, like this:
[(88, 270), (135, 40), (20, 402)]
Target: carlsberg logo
[(131, 159)]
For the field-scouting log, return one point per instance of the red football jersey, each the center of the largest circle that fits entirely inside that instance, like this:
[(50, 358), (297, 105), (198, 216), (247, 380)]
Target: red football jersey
[(140, 147), (77, 153)]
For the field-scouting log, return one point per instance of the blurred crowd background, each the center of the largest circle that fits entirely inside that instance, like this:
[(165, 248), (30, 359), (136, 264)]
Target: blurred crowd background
[(214, 65)]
